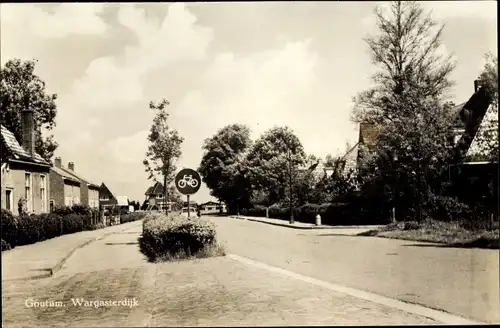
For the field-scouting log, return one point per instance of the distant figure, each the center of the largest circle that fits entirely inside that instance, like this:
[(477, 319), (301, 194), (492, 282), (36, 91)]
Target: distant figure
[(22, 207)]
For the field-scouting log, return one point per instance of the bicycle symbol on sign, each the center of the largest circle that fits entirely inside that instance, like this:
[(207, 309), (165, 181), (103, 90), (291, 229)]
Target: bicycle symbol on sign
[(187, 180)]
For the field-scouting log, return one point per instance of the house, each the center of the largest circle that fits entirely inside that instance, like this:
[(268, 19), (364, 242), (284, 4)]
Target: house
[(317, 168), (123, 203), (89, 192), (25, 175), (64, 187), (155, 198), (475, 175), (212, 207), (106, 197), (467, 117), (192, 204)]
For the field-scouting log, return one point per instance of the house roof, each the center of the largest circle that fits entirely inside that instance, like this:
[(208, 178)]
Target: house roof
[(155, 189), (122, 200), (79, 177), (17, 151), (209, 203), (65, 175), (103, 189)]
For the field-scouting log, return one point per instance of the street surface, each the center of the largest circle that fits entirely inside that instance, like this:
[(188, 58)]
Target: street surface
[(460, 281), (224, 292)]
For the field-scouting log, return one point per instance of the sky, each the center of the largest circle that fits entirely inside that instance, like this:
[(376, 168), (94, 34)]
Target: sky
[(263, 64)]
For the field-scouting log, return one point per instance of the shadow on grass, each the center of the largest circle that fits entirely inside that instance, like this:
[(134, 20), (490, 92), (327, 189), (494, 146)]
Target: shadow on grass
[(483, 243), (369, 233)]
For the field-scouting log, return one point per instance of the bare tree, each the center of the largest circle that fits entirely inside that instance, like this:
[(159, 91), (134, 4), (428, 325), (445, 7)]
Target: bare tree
[(164, 147)]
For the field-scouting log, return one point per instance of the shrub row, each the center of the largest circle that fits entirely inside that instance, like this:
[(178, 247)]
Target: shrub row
[(135, 216), (165, 237), (331, 214), (28, 229)]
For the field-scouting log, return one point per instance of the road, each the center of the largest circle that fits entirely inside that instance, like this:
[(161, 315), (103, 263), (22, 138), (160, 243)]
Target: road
[(224, 292), (460, 281)]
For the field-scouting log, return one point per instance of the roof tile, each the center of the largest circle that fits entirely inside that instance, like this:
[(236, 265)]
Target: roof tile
[(17, 150)]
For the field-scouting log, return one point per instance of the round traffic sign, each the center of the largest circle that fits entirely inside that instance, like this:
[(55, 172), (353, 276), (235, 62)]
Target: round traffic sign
[(187, 181)]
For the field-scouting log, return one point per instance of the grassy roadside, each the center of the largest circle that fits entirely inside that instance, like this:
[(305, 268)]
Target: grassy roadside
[(450, 234)]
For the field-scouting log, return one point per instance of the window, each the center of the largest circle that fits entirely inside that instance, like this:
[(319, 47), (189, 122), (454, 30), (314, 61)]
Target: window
[(52, 205), (160, 196), (28, 192), (43, 193), (9, 198), (76, 194), (103, 198)]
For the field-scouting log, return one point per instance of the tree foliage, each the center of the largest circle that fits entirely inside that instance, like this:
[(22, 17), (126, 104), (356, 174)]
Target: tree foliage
[(408, 106), (164, 147), (223, 166), (409, 56), (21, 88), (273, 162), (489, 77)]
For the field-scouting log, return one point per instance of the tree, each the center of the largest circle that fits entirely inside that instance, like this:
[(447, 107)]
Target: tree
[(407, 53), (489, 77), (408, 106), (164, 147), (174, 196), (20, 88), (273, 162), (223, 166)]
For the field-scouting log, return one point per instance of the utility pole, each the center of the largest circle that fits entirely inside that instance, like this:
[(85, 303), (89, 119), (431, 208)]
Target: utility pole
[(290, 184)]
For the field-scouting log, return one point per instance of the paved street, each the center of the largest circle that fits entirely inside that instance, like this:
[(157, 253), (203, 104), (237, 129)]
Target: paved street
[(460, 281), (217, 291)]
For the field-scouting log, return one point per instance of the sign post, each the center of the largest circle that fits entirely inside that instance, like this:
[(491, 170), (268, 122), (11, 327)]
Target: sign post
[(188, 182)]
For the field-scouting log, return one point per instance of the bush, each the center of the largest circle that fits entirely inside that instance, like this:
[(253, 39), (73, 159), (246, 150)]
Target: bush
[(9, 228), (445, 208), (166, 237), (29, 230), (81, 209), (50, 225), (62, 210), (135, 216), (73, 223), (5, 246), (307, 213)]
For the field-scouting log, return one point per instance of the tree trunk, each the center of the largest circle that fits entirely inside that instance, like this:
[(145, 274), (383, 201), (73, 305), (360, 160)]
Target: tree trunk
[(165, 193)]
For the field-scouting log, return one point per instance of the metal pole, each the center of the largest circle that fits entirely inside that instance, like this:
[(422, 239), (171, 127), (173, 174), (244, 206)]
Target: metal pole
[(189, 207)]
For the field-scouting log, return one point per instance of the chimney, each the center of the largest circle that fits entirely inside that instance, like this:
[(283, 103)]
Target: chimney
[(477, 85), (57, 162), (71, 166), (28, 131)]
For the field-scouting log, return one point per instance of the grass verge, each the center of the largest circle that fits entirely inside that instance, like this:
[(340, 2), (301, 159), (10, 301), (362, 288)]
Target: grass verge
[(450, 234)]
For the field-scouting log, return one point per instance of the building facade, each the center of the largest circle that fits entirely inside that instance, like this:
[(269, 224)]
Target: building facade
[(25, 175), (65, 188)]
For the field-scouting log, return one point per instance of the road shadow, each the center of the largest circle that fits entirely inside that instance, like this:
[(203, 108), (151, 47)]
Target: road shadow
[(130, 243), (482, 243), (335, 235)]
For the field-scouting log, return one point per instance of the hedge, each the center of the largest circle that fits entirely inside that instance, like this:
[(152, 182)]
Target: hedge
[(130, 217), (29, 229), (166, 237), (331, 213)]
